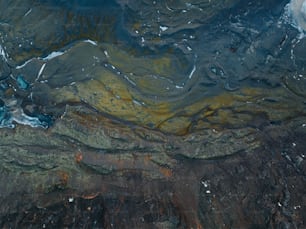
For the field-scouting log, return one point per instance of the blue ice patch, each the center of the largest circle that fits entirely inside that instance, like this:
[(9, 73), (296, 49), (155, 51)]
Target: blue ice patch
[(22, 83)]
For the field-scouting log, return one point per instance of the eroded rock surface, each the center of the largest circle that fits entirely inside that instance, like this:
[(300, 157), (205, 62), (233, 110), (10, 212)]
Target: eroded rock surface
[(151, 114)]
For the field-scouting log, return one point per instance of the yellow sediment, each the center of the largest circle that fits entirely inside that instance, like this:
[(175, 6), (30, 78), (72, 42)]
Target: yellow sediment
[(110, 93)]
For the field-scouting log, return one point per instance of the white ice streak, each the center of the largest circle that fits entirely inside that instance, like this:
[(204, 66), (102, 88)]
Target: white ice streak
[(129, 80), (192, 72), (91, 42), (28, 12), (2, 53), (205, 183), (24, 64), (137, 102), (40, 71), (163, 28), (53, 55), (47, 58), (106, 53)]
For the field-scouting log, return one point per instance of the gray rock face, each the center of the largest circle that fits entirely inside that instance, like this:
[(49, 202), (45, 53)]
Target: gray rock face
[(56, 173), (4, 69), (141, 114)]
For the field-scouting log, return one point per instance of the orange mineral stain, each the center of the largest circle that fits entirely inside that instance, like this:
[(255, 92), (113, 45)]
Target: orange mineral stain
[(78, 157), (166, 172), (63, 178)]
